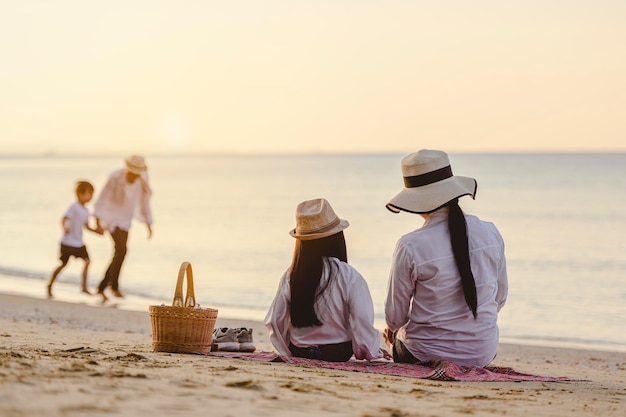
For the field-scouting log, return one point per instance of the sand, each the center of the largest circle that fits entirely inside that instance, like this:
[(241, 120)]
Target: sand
[(71, 359)]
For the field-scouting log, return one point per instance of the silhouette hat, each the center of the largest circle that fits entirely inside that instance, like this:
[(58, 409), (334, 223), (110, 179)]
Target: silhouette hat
[(316, 219), (429, 183)]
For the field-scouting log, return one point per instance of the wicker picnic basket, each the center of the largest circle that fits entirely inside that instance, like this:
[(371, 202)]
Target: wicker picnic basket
[(181, 327)]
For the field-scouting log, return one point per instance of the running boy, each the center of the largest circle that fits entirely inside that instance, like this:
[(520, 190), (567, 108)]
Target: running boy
[(76, 217)]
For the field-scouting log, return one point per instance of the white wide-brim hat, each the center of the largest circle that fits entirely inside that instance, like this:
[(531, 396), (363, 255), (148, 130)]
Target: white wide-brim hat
[(316, 219), (429, 183), (136, 164)]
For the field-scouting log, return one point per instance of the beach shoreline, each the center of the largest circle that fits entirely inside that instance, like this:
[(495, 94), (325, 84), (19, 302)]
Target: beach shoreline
[(62, 359), (70, 292)]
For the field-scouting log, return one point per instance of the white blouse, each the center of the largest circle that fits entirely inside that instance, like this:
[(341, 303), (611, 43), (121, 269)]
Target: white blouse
[(425, 301), (345, 309), (119, 202)]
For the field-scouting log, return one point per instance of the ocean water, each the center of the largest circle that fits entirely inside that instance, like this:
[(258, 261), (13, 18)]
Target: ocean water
[(562, 216)]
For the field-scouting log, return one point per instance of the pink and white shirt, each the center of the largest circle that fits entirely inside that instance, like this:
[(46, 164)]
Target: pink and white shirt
[(120, 202)]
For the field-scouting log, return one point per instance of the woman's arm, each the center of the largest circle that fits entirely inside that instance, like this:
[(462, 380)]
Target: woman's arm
[(278, 319), (503, 283), (365, 337), (399, 290)]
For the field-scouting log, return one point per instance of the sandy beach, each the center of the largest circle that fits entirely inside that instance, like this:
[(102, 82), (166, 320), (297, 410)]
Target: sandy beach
[(66, 359)]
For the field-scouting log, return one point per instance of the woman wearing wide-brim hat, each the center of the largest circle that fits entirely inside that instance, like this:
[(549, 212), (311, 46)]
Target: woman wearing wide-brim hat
[(323, 308), (448, 279), (125, 196)]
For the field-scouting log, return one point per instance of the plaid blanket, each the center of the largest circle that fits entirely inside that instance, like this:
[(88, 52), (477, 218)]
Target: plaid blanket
[(437, 370)]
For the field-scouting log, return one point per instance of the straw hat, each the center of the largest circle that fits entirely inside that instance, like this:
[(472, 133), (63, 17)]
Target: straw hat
[(316, 219), (136, 164), (429, 183)]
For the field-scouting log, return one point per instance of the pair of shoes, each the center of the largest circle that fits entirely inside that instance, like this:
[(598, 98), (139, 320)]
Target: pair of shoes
[(232, 340), (244, 337)]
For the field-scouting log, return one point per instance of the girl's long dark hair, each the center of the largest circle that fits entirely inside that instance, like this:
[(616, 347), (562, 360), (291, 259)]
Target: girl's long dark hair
[(460, 248), (306, 273)]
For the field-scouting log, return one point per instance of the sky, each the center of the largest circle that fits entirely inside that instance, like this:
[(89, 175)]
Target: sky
[(352, 76)]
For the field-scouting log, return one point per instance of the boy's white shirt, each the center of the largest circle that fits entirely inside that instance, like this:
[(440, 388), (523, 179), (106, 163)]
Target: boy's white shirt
[(78, 216)]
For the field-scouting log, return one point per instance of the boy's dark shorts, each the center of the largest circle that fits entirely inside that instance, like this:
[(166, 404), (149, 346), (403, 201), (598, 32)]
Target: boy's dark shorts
[(67, 251)]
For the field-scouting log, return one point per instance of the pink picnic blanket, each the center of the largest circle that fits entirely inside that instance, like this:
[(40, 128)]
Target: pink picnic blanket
[(437, 370)]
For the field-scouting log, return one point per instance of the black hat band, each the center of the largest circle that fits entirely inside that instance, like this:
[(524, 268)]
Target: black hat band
[(428, 178)]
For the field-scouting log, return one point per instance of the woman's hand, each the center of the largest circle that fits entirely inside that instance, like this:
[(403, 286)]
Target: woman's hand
[(386, 354), (389, 336)]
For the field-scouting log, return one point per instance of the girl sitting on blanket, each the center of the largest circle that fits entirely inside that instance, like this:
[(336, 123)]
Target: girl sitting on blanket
[(448, 278), (323, 308)]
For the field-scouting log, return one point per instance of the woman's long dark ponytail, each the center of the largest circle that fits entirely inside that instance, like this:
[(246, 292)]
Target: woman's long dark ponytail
[(460, 248), (306, 276)]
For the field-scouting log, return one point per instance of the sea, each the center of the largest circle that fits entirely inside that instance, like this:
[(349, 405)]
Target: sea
[(562, 216)]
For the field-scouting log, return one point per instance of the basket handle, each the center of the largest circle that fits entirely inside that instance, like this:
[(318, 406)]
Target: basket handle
[(190, 299)]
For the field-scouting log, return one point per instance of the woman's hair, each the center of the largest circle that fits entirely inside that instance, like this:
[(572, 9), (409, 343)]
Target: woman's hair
[(460, 248), (306, 273)]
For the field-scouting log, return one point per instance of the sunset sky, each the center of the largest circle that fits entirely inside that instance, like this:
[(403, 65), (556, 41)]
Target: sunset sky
[(311, 76)]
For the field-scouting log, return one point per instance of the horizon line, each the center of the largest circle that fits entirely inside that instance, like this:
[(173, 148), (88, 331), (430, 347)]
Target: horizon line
[(49, 154)]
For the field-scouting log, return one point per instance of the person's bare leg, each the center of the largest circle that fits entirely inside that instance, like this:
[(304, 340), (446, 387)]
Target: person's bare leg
[(54, 276), (103, 295), (85, 274)]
